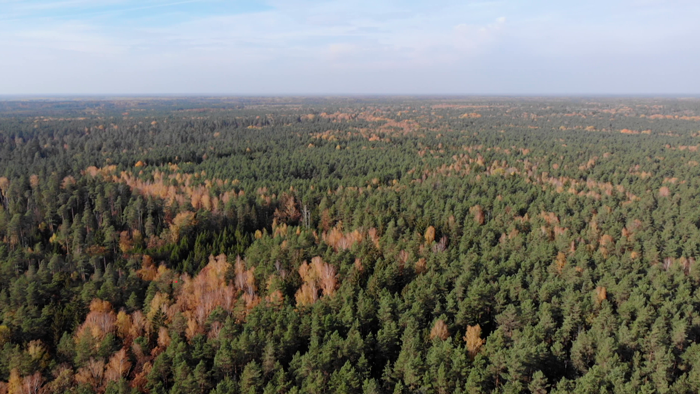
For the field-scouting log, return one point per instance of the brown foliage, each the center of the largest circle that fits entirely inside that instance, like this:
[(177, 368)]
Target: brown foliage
[(478, 214), (31, 384), (142, 358), (403, 258), (358, 265), (288, 211), (326, 220), (245, 279), (440, 330), (92, 374), (141, 379), (440, 246), (373, 236)]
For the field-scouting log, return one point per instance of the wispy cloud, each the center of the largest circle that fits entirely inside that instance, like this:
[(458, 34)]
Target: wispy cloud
[(391, 46)]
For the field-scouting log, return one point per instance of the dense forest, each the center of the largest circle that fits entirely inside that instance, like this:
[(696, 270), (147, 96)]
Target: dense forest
[(350, 245)]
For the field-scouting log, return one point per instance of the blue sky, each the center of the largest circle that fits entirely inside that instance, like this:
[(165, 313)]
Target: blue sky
[(349, 47)]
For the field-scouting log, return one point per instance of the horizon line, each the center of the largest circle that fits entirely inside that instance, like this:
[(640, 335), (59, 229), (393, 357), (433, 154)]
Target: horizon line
[(110, 96)]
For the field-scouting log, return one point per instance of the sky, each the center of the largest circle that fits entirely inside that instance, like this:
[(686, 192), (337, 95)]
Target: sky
[(331, 47)]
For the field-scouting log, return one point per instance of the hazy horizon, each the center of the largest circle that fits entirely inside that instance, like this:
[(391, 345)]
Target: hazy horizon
[(456, 96), (80, 48)]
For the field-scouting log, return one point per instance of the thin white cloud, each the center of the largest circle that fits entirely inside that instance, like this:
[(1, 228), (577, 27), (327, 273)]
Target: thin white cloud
[(333, 46), (471, 38)]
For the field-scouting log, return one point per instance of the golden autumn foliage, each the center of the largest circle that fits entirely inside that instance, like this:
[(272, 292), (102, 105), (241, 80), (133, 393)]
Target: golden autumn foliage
[(197, 297), (67, 182), (125, 242), (279, 230), (275, 298), (14, 385), (163, 337), (560, 262), (606, 243), (421, 265), (100, 320), (473, 340), (5, 334), (118, 366), (91, 374), (181, 222), (159, 303), (601, 293), (429, 235), (175, 188), (316, 276), (124, 324), (38, 353), (148, 270), (339, 240), (4, 184), (34, 180), (478, 214)]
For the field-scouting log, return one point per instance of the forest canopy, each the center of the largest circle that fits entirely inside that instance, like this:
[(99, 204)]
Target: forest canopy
[(349, 245)]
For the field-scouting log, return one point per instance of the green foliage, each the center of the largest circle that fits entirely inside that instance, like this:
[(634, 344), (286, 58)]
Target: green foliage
[(369, 245)]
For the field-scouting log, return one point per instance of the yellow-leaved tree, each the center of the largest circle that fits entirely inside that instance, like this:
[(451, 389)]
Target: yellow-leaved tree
[(473, 340)]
